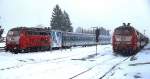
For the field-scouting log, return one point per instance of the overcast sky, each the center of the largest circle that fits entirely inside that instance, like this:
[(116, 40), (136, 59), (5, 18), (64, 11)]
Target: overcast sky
[(84, 13)]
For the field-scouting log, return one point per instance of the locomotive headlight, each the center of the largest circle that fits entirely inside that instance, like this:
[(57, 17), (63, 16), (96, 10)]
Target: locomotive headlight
[(10, 39), (129, 42)]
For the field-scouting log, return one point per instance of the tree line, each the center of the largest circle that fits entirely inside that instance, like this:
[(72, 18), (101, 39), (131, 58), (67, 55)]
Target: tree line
[(102, 30)]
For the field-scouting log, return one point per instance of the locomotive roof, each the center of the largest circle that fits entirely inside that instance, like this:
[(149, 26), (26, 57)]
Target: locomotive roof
[(125, 27), (29, 29)]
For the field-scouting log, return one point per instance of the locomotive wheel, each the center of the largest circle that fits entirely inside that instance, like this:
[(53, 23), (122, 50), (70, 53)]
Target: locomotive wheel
[(130, 52), (49, 48), (15, 51), (6, 49), (25, 50)]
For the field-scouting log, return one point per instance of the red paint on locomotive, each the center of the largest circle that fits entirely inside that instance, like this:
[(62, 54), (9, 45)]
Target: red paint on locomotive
[(27, 39)]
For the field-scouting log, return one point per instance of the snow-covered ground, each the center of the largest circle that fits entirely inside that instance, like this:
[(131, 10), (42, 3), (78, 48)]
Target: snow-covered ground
[(75, 63)]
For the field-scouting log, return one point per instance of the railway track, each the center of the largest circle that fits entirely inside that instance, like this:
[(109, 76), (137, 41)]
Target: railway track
[(90, 68), (2, 49), (113, 67), (99, 64)]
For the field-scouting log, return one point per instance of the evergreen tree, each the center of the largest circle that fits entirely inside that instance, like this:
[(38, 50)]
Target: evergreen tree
[(60, 20), (67, 22), (57, 18)]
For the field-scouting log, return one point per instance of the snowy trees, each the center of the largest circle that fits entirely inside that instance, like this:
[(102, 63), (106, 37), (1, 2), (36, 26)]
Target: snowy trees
[(102, 31), (60, 20)]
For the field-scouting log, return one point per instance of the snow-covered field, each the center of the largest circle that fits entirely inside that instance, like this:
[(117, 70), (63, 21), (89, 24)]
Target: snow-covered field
[(75, 63)]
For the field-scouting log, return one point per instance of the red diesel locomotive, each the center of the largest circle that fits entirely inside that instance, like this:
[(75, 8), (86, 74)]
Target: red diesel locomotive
[(23, 39), (127, 40)]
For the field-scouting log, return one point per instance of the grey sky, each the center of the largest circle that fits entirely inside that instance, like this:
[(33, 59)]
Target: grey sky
[(83, 13)]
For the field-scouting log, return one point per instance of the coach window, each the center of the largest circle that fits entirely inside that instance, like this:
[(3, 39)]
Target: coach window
[(65, 38), (71, 38), (78, 39), (68, 38), (75, 37)]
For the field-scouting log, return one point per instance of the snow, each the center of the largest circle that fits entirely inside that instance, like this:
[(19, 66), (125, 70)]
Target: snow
[(127, 71), (74, 63)]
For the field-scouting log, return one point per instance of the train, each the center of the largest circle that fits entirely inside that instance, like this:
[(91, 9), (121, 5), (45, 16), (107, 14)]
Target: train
[(126, 40), (27, 39)]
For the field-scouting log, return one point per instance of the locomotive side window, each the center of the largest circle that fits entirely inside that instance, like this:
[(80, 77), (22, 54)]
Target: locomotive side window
[(37, 33)]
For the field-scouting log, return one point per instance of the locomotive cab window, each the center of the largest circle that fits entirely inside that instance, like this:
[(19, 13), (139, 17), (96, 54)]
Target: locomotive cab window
[(13, 33), (123, 32)]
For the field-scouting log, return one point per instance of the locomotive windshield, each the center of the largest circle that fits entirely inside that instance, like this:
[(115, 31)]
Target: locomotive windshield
[(123, 32), (13, 33)]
